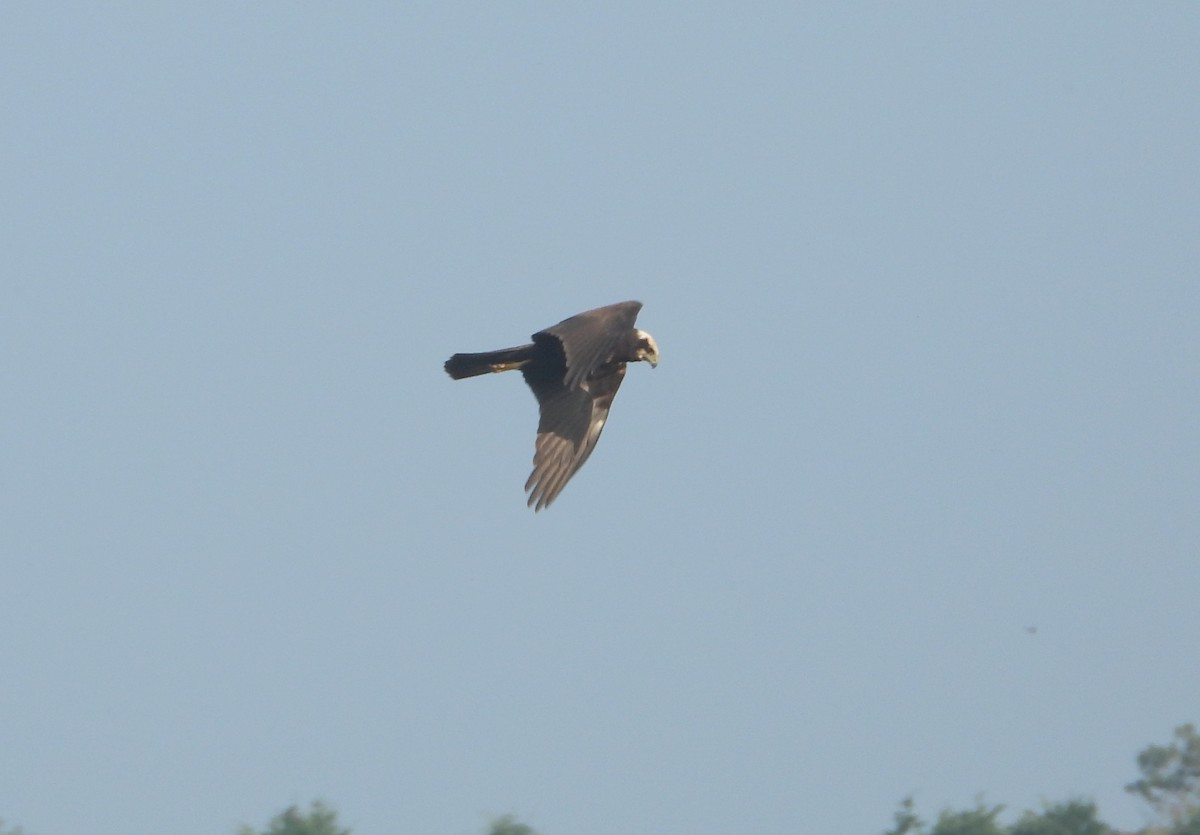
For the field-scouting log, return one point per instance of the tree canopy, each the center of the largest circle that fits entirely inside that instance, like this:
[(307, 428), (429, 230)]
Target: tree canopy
[(508, 825), (1170, 780), (1170, 784), (318, 820), (1073, 817)]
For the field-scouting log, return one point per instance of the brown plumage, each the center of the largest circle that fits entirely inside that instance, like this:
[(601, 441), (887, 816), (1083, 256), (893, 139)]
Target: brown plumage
[(574, 369)]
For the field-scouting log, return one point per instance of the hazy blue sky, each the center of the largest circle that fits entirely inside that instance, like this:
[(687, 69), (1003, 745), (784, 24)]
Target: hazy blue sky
[(926, 280)]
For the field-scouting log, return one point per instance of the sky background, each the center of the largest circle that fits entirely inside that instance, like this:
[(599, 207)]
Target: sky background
[(926, 281)]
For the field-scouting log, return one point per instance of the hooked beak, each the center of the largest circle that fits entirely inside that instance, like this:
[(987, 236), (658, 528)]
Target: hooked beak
[(648, 349)]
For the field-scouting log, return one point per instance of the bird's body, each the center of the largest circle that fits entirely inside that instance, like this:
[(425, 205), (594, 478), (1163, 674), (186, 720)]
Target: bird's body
[(574, 369)]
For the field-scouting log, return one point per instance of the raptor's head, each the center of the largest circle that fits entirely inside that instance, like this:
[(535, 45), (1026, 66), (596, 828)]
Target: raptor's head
[(647, 348)]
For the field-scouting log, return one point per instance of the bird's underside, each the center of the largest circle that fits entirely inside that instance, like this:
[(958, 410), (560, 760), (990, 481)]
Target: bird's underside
[(574, 369)]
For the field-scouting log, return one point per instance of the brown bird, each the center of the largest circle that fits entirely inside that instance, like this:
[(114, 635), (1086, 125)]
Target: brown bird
[(574, 369)]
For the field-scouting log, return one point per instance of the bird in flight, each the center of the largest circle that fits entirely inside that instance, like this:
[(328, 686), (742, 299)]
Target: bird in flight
[(574, 369)]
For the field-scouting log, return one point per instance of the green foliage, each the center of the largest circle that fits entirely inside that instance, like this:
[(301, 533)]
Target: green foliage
[(1170, 779), (1170, 782), (319, 820), (906, 820), (508, 825), (978, 821), (3, 831), (1074, 817)]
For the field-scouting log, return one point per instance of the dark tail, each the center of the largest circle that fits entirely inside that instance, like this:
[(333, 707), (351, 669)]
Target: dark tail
[(472, 365)]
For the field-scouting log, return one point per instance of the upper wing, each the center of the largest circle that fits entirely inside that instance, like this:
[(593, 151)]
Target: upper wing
[(571, 420), (588, 338)]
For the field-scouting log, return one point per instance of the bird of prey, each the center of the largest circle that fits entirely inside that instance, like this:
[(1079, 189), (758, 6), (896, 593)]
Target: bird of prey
[(574, 369)]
